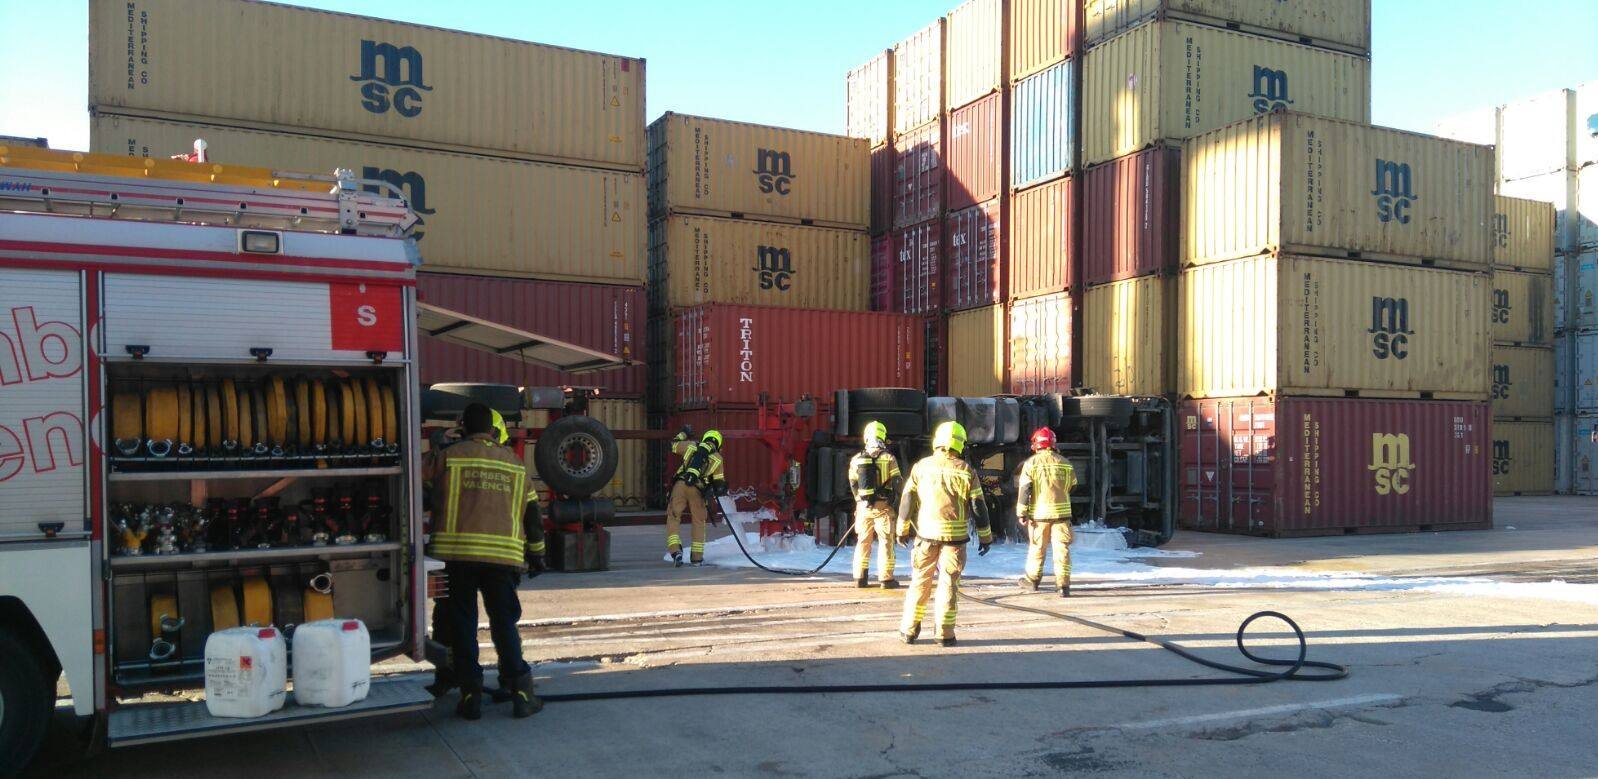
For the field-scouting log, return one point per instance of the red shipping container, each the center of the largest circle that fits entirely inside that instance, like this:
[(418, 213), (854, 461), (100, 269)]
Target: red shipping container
[(918, 276), (976, 153), (605, 317), (1131, 212), (884, 270), (918, 175), (1040, 345), (882, 173), (1041, 255), (976, 257), (1308, 466), (734, 354), (747, 462), (936, 373)]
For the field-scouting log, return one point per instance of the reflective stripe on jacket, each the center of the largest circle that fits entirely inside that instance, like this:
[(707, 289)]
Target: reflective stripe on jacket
[(942, 489), (482, 491), (887, 475), (1044, 487), (709, 474)]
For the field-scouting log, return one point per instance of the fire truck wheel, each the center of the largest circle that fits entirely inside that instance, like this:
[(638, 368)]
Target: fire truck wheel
[(26, 704), (878, 399), (576, 456)]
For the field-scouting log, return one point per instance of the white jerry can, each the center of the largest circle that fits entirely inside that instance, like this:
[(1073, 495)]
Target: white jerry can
[(332, 662), (246, 672)]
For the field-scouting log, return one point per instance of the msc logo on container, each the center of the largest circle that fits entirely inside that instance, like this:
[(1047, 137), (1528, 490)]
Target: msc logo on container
[(773, 171), (391, 77), (1389, 328), (1270, 90), (774, 268), (410, 183), (1501, 307), (1501, 230), (1501, 382), (1502, 461), (1390, 463), (1394, 191)]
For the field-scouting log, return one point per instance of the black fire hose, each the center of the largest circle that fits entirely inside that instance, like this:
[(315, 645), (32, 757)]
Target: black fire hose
[(738, 536)]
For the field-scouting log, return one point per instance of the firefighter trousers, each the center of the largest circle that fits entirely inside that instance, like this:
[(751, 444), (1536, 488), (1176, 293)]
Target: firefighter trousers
[(873, 523), (497, 584), (935, 564), (1041, 536), (689, 499)]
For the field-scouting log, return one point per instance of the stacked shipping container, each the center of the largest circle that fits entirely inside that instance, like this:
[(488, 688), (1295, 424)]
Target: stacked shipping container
[(524, 161)]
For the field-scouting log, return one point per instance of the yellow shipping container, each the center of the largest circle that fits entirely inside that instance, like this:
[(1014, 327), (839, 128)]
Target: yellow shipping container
[(976, 52), (1040, 35), (1523, 234), (720, 168), (701, 259), (299, 70), (1127, 348), (1174, 80), (630, 484), (480, 215), (918, 69), (977, 348), (1344, 25), (1523, 382), (1298, 184), (1523, 458), (869, 92), (1312, 326), (1523, 308)]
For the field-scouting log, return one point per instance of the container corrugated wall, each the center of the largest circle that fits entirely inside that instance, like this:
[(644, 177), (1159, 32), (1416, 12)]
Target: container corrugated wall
[(286, 69), (1042, 33), (1562, 189), (719, 167), (1523, 382), (884, 268), (1307, 326), (1174, 80), (918, 282), (1523, 308), (1043, 126), (1338, 24), (1129, 350), (1131, 211), (1301, 466), (598, 316), (977, 350), (479, 214), (1040, 345), (1582, 452), (975, 265), (975, 50), (1582, 288), (869, 88), (1041, 250), (918, 78), (1301, 184), (1523, 458), (696, 260), (1523, 234), (974, 160), (1537, 135), (918, 176), (883, 171), (630, 485), (734, 354)]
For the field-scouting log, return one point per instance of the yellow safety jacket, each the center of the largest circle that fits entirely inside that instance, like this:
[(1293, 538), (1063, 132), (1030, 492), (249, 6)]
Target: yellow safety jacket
[(887, 477), (482, 491), (704, 475), (1044, 487), (940, 490)]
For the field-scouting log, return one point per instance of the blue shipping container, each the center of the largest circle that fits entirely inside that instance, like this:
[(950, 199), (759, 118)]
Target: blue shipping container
[(1043, 127)]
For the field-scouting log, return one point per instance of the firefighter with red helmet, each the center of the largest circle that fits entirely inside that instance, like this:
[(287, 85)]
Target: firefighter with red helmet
[(1043, 507)]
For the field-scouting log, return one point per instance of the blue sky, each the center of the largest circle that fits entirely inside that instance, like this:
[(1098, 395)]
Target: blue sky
[(783, 62)]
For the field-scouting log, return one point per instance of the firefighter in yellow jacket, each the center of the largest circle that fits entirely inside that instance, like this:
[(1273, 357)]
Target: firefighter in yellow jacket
[(941, 493), (874, 481), (1043, 506), (698, 477), (487, 530)]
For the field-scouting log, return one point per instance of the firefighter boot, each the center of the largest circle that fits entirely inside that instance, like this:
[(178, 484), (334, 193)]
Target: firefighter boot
[(676, 559), (890, 584), (1065, 590), (946, 641), (443, 682), (471, 705), (1029, 584), (860, 582), (910, 637), (523, 703)]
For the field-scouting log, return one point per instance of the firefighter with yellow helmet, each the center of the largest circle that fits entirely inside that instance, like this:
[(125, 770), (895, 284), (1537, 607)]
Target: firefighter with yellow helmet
[(698, 477), (874, 482), (940, 496), (1043, 507)]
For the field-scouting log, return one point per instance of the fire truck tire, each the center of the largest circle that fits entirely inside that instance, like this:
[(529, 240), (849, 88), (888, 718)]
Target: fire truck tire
[(875, 400), (1116, 411), (900, 424), (27, 704), (576, 456)]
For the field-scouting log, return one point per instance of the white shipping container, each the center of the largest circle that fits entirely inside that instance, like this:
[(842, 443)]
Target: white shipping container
[(1564, 429), (1585, 366), (918, 78), (1584, 211), (1558, 188), (869, 92), (1479, 127), (1538, 135), (1583, 466), (1586, 106), (1576, 283)]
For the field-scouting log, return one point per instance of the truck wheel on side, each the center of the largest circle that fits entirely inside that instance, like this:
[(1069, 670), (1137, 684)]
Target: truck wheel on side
[(900, 424), (26, 704), (576, 456), (1115, 410), (864, 402)]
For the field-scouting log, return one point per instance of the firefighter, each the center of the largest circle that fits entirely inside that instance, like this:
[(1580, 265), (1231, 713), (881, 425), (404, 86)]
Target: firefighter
[(1043, 507), (874, 480), (698, 477), (487, 531), (942, 489)]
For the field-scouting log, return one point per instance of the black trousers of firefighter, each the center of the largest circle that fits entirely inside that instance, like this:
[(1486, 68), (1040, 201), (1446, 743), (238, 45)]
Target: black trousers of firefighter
[(497, 583)]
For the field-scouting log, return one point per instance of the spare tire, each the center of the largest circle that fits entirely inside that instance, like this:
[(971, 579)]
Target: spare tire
[(576, 456), (1115, 410), (900, 424), (879, 399), (449, 401)]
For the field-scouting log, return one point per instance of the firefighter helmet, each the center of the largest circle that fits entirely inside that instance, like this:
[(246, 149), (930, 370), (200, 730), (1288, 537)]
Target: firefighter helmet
[(1042, 439), (875, 431), (951, 436), (501, 434), (712, 437)]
